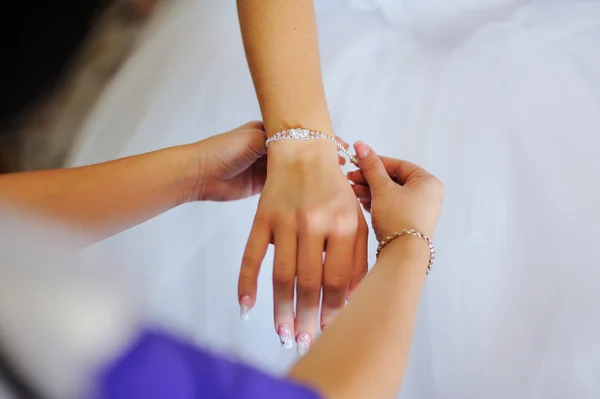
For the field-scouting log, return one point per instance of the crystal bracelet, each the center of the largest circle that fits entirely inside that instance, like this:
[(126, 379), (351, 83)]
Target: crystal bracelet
[(415, 233), (307, 135)]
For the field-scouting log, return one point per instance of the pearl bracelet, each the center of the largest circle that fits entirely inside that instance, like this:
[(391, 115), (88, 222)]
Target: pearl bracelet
[(415, 233), (307, 135)]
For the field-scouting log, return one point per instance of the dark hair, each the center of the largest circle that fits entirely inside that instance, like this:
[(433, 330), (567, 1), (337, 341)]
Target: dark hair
[(39, 38)]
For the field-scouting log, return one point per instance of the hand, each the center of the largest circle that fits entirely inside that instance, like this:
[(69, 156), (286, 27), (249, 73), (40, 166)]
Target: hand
[(399, 194), (307, 207), (232, 165)]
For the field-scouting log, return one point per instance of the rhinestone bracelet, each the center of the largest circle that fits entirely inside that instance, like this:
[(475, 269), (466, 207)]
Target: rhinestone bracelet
[(415, 233), (306, 135)]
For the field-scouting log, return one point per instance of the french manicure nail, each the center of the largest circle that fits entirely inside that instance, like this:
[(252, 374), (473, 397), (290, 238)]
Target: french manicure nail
[(285, 336), (303, 341), (245, 307)]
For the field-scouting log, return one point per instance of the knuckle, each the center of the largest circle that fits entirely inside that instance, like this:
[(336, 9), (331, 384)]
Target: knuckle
[(335, 283), (282, 277), (344, 224), (436, 186), (441, 187), (312, 220), (308, 285)]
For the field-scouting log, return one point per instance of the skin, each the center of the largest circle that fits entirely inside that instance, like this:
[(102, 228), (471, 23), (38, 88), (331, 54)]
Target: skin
[(364, 353), (307, 205), (222, 168)]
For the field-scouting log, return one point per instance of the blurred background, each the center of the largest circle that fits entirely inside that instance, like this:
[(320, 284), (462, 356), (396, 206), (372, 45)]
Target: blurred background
[(57, 56)]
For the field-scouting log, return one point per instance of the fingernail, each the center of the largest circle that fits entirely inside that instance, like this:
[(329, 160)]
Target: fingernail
[(285, 336), (245, 303), (303, 341), (362, 150)]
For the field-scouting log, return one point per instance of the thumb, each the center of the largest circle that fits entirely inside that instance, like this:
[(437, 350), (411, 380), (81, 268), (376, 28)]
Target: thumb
[(257, 143), (371, 167), (247, 142)]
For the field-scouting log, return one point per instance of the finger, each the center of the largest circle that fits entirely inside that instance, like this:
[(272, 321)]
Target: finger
[(251, 262), (361, 254), (259, 175), (371, 167), (284, 276), (342, 142), (399, 170), (247, 141), (402, 171), (366, 205), (362, 192), (254, 125), (341, 160), (337, 272), (256, 141), (308, 287), (356, 177)]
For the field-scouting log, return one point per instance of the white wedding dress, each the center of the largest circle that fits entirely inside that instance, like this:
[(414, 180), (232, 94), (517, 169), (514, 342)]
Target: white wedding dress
[(500, 99)]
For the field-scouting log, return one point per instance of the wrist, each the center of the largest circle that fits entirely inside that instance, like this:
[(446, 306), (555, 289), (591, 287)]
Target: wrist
[(407, 253), (312, 151), (311, 113), (302, 144), (191, 171)]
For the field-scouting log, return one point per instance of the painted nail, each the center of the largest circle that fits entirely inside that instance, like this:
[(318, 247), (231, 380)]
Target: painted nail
[(303, 341), (285, 336), (245, 307)]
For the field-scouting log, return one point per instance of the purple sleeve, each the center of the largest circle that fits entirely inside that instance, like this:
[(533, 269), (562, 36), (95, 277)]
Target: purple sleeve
[(158, 366)]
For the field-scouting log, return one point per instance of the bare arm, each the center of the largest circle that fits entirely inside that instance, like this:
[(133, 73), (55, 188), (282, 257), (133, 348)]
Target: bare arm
[(364, 352), (110, 197), (280, 38), (106, 198), (306, 205)]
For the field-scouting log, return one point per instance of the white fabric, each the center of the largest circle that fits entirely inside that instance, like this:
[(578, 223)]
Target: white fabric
[(500, 99)]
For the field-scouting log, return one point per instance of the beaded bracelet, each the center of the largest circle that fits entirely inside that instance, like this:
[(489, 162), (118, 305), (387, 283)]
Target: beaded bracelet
[(306, 135), (415, 233)]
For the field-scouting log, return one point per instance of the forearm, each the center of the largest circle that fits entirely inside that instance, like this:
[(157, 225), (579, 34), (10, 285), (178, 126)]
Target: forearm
[(365, 351), (280, 38), (107, 198)]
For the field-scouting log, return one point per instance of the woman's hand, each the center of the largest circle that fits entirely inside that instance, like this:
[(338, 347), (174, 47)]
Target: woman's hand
[(399, 194), (231, 165), (371, 338), (307, 208)]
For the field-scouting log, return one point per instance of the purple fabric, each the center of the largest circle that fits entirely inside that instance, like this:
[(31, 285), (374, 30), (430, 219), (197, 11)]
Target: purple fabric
[(158, 366)]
